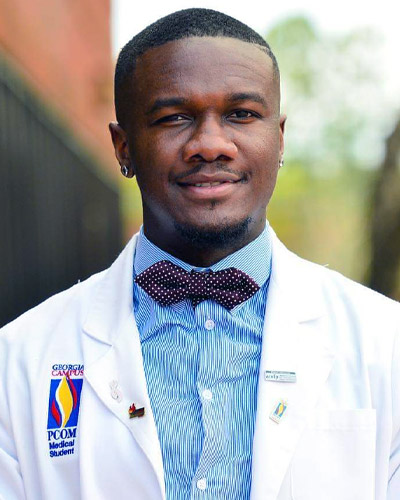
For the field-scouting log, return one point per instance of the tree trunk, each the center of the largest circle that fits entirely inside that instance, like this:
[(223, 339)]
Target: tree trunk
[(385, 222)]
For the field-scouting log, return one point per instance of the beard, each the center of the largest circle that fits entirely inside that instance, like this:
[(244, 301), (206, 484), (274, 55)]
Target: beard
[(219, 237)]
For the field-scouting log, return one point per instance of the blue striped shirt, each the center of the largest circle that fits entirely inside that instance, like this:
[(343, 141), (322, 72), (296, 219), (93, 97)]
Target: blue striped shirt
[(202, 369)]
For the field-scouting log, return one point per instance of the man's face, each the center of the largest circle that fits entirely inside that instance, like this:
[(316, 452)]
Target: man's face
[(204, 135)]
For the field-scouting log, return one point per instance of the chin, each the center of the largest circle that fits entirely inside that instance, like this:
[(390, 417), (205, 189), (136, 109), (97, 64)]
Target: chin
[(216, 235)]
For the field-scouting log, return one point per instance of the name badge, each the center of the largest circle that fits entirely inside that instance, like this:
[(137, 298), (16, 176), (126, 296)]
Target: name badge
[(280, 376)]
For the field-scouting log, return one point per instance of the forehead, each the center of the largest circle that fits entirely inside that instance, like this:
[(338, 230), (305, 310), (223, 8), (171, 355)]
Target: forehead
[(204, 65)]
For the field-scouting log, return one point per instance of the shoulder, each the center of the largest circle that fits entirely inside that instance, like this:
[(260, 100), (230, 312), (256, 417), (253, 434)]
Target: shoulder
[(354, 297), (65, 313), (350, 313), (69, 304), (313, 281)]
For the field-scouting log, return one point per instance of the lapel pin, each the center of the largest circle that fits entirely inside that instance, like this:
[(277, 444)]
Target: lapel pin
[(113, 384), (278, 411), (115, 392), (135, 412), (280, 376)]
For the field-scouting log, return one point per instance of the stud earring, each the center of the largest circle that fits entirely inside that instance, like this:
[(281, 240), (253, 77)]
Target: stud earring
[(281, 163), (124, 170)]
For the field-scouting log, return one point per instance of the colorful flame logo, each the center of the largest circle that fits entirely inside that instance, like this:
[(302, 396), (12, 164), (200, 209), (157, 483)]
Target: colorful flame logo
[(65, 401), (280, 409)]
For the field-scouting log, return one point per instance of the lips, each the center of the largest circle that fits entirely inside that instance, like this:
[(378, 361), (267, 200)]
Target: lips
[(209, 180), (205, 187), (209, 184)]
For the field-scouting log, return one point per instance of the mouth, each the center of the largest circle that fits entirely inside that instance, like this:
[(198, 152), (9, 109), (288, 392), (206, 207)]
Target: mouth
[(208, 179), (206, 184), (209, 189)]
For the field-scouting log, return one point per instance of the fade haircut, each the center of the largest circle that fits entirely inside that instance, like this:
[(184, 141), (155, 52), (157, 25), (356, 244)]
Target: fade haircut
[(182, 24)]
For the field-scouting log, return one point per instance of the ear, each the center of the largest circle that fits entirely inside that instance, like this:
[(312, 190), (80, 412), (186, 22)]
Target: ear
[(282, 121), (121, 148)]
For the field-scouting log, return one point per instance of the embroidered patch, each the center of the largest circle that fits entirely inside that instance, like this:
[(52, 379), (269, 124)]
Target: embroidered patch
[(63, 411)]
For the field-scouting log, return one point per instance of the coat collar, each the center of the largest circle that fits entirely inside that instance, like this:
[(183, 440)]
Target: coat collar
[(113, 302), (298, 280), (293, 340)]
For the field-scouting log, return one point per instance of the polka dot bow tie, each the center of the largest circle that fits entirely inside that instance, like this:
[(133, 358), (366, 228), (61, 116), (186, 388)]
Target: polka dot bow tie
[(168, 284)]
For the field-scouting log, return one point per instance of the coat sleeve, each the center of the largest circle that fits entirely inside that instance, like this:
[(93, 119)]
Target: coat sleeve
[(11, 484), (394, 464)]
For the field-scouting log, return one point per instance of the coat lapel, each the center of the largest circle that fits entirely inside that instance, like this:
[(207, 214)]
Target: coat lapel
[(293, 342), (113, 354)]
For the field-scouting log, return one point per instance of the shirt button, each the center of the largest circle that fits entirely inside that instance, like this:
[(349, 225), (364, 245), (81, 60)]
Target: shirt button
[(202, 484), (207, 394), (209, 324)]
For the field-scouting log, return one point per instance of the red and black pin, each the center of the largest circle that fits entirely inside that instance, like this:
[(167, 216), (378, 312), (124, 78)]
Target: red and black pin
[(135, 412)]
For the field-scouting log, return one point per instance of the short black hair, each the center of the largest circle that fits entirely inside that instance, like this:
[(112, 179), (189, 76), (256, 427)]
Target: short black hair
[(181, 24)]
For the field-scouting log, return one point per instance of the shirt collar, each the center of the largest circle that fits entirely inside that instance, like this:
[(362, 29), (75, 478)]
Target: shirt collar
[(254, 259)]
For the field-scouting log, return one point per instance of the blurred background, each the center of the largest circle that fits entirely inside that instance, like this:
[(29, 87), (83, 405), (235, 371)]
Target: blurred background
[(66, 212)]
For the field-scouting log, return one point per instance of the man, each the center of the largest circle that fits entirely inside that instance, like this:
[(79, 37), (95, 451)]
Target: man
[(208, 361)]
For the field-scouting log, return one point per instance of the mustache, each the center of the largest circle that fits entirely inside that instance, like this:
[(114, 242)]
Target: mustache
[(215, 167)]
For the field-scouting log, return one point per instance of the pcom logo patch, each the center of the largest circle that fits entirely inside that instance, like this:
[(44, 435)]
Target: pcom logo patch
[(64, 401), (63, 412)]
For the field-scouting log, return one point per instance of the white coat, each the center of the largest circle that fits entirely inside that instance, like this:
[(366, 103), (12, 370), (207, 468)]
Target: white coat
[(339, 438)]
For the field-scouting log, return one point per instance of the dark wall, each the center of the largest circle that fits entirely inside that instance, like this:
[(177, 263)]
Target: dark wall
[(59, 218)]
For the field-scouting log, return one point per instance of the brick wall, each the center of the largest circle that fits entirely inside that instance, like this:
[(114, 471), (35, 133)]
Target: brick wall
[(63, 49)]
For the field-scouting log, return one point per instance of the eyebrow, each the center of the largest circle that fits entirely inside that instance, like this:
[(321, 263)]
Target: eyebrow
[(248, 96), (166, 103)]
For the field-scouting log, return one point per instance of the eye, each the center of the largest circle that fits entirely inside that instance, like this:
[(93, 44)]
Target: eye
[(243, 115), (172, 119)]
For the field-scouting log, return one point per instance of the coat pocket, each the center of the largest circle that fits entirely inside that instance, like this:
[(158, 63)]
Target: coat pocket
[(335, 458)]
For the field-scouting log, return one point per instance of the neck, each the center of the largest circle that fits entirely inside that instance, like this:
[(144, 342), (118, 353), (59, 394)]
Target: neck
[(186, 246)]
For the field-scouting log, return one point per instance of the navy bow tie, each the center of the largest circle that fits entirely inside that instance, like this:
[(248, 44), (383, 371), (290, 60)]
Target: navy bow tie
[(168, 284)]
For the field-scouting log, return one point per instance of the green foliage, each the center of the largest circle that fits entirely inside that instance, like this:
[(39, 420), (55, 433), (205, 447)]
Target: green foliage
[(293, 42), (334, 137), (331, 92), (323, 219)]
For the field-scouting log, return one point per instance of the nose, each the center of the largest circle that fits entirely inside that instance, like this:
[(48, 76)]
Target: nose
[(209, 142)]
